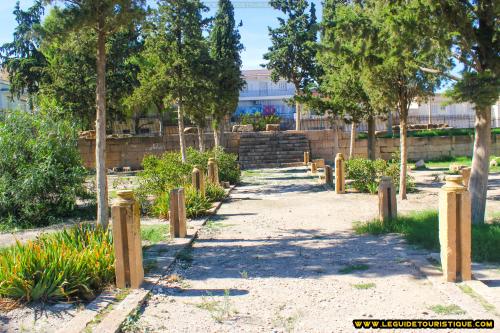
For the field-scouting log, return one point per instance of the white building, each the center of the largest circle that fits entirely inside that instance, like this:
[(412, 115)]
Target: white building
[(439, 109), (6, 102), (261, 95)]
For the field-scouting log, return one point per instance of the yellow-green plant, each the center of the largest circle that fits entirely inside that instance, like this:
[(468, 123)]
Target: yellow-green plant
[(196, 204), (215, 192), (68, 265)]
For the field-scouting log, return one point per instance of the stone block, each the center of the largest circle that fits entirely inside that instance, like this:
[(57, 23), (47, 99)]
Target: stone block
[(320, 163), (387, 200), (339, 174), (177, 213), (198, 179), (455, 230), (328, 175), (314, 168), (272, 127), (125, 212)]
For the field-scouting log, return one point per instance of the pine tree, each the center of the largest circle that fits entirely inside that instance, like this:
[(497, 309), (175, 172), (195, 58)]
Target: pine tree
[(22, 58), (104, 17), (292, 53), (469, 32), (174, 61), (225, 48)]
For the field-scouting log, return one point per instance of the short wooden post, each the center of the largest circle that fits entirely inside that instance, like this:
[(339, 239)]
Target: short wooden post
[(328, 175), (455, 230), (125, 213), (198, 179), (314, 168), (320, 163), (387, 204), (339, 174), (213, 171), (177, 213), (306, 158)]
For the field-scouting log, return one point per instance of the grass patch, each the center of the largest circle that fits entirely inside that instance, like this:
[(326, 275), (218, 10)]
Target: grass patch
[(363, 286), (69, 265), (155, 233), (421, 229), (445, 161), (447, 309), (432, 132), (219, 310), (484, 303), (353, 268)]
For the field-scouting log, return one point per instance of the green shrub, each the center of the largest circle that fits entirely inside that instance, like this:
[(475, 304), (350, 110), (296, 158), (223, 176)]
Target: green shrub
[(160, 174), (41, 173), (196, 204), (366, 173), (163, 173), (229, 169), (68, 265), (422, 229), (161, 205), (259, 122), (215, 192)]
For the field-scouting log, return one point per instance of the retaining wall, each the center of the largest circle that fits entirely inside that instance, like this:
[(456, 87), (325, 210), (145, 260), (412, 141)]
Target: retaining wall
[(129, 151)]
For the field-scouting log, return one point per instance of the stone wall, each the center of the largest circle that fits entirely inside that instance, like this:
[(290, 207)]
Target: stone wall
[(130, 151), (322, 144)]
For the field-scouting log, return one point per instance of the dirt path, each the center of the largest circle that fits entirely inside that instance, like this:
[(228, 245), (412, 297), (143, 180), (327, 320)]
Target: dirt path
[(281, 257)]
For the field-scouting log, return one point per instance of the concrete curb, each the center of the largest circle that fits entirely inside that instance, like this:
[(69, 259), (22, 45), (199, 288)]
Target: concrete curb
[(456, 294), (112, 320)]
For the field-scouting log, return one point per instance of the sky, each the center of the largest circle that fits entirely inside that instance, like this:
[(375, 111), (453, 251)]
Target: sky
[(255, 15)]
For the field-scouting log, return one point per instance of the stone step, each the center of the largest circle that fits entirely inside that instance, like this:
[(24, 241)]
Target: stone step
[(271, 149)]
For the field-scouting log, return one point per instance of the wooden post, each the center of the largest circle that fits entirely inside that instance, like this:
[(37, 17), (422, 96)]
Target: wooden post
[(455, 230), (177, 213), (306, 158), (320, 163), (339, 174), (387, 204), (213, 171), (314, 168), (328, 175), (125, 213), (198, 179)]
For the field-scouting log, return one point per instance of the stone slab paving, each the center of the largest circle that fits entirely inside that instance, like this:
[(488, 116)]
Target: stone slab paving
[(281, 257)]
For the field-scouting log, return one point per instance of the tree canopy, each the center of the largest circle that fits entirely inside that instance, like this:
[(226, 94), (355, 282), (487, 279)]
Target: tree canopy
[(22, 58), (291, 55), (225, 48)]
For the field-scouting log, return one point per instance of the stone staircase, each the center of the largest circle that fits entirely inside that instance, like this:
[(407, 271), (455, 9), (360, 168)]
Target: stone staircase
[(271, 149)]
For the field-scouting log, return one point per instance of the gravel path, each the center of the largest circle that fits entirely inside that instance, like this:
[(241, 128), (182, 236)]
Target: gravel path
[(281, 257)]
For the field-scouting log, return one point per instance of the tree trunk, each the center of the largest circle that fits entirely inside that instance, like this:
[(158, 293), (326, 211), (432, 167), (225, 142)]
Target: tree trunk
[(371, 138), (389, 123), (161, 124), (353, 140), (478, 184), (336, 145), (222, 127), (182, 140), (403, 117), (297, 116), (201, 138), (100, 141), (216, 136)]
